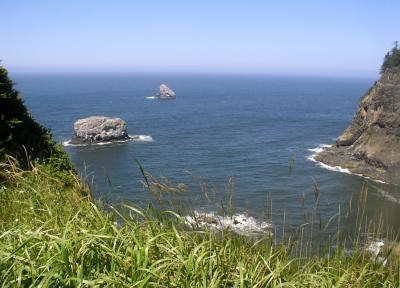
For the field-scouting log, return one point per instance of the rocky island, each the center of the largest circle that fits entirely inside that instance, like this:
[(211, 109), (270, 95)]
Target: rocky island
[(370, 146), (97, 129), (165, 93)]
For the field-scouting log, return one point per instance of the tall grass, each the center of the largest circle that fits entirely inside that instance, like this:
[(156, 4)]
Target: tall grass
[(52, 234)]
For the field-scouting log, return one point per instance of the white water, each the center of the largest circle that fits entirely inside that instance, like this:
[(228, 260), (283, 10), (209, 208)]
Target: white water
[(238, 223), (375, 246), (133, 138), (321, 148)]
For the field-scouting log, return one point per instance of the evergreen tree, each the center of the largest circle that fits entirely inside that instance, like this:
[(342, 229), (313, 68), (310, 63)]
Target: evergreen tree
[(20, 134), (392, 58)]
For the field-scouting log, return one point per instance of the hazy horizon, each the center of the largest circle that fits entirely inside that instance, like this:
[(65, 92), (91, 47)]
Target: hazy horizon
[(290, 38), (187, 73)]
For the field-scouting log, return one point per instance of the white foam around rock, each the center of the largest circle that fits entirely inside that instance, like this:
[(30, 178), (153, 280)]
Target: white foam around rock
[(239, 223)]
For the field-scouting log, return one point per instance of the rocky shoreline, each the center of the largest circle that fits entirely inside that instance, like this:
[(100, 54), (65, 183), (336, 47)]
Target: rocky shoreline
[(370, 146), (339, 157)]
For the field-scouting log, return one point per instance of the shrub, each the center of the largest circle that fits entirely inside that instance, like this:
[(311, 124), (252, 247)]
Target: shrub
[(20, 135)]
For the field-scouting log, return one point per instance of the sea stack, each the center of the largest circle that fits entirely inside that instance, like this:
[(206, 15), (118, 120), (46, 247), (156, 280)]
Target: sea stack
[(370, 146), (166, 92), (97, 129)]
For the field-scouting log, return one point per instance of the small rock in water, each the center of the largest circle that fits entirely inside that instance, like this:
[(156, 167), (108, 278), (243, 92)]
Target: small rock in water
[(166, 92), (97, 129), (239, 223)]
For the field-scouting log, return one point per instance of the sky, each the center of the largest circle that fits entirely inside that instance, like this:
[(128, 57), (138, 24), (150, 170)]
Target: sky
[(327, 38)]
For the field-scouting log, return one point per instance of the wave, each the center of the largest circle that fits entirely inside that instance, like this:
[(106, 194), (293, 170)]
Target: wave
[(238, 223), (336, 169), (141, 138), (152, 97), (316, 151), (321, 148), (133, 138)]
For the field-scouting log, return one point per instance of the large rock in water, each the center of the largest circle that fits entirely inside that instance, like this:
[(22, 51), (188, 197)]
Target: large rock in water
[(166, 92), (371, 144), (97, 129)]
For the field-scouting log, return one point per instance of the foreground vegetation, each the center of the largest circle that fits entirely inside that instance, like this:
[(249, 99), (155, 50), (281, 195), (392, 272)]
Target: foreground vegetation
[(53, 235)]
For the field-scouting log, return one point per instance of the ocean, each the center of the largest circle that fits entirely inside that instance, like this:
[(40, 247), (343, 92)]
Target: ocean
[(251, 134)]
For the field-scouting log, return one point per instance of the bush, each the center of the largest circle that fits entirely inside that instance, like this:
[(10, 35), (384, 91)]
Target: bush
[(20, 135)]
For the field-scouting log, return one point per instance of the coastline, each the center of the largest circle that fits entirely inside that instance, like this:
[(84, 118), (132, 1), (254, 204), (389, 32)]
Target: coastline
[(323, 147)]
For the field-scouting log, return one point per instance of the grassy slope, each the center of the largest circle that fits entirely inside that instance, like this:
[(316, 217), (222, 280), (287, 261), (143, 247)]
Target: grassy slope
[(52, 235)]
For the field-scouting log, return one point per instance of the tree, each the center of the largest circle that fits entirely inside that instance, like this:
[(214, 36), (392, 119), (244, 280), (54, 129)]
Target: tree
[(20, 134), (392, 58)]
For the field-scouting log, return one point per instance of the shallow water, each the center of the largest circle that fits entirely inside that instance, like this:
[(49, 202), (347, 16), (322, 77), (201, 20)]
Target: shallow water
[(249, 127)]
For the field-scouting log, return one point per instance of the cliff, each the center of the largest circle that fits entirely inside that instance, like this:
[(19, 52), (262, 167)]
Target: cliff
[(371, 144)]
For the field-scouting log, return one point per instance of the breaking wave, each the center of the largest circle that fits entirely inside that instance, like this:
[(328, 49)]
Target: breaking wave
[(316, 151), (238, 223)]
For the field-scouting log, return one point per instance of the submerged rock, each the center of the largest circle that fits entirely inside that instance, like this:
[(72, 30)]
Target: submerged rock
[(98, 129), (370, 146), (239, 223), (166, 92)]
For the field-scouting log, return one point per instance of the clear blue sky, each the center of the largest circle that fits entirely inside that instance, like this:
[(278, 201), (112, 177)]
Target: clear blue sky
[(273, 37)]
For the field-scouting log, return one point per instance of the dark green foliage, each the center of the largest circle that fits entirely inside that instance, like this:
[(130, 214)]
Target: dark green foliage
[(392, 58), (20, 135), (59, 165)]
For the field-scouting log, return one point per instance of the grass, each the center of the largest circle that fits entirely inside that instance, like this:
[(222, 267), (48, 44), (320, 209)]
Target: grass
[(52, 234)]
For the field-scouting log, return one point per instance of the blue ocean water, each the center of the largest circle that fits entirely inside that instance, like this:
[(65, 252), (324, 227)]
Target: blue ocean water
[(250, 127)]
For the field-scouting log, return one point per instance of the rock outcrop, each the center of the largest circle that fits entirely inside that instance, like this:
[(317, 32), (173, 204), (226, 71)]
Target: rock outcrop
[(371, 144), (98, 129), (166, 92)]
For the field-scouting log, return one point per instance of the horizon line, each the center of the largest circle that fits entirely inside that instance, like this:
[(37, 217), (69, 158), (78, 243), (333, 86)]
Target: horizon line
[(182, 73)]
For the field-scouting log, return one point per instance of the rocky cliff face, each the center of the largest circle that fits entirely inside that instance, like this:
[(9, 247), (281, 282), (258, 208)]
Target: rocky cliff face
[(371, 144)]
